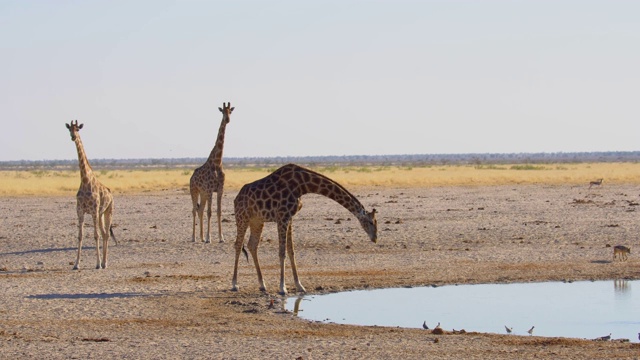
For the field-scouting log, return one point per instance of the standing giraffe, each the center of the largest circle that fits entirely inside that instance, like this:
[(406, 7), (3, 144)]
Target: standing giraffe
[(209, 178), (276, 198), (92, 198)]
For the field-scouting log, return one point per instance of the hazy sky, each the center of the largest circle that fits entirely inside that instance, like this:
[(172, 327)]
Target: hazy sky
[(318, 78)]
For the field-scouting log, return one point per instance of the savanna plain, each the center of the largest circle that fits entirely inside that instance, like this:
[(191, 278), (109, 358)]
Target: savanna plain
[(164, 296)]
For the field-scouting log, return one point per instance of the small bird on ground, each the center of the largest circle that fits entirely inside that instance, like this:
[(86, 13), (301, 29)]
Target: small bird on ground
[(424, 325), (530, 331), (605, 338), (509, 329), (437, 326)]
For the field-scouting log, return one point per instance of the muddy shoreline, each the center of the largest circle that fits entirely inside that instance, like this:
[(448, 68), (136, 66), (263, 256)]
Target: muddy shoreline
[(165, 297)]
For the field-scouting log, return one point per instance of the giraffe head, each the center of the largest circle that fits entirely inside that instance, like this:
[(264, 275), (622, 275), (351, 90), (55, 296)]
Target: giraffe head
[(226, 111), (74, 128), (369, 224)]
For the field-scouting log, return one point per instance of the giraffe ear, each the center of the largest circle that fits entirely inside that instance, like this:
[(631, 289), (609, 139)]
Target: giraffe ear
[(80, 126), (231, 110), (68, 127), (220, 109)]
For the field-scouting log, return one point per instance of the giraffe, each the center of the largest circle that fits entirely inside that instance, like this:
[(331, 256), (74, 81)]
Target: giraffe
[(209, 178), (92, 198), (276, 198)]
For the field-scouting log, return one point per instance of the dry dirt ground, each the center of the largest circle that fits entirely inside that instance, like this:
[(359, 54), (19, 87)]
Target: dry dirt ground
[(166, 297)]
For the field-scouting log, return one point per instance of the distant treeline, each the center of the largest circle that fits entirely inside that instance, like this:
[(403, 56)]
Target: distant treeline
[(346, 160)]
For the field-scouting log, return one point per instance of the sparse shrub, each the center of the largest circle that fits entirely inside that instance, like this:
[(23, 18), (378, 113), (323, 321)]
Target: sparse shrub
[(329, 169), (489, 167), (39, 173), (527, 167)]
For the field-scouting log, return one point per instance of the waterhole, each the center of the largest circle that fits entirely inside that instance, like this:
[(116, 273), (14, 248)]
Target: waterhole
[(585, 309)]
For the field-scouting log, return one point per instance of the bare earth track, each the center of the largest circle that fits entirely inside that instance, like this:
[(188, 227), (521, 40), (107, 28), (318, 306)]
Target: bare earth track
[(166, 297)]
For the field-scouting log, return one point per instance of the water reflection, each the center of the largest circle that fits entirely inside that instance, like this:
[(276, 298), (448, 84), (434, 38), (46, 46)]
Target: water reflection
[(296, 305), (621, 287), (578, 309)]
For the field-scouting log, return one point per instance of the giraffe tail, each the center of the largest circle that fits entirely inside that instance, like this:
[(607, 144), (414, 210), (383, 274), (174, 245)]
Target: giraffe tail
[(112, 234), (246, 255)]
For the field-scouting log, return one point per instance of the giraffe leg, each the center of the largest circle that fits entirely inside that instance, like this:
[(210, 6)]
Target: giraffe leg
[(282, 253), (219, 214), (194, 200), (103, 236), (201, 215), (242, 229), (106, 226), (254, 241), (292, 259), (80, 231), (96, 234), (209, 218)]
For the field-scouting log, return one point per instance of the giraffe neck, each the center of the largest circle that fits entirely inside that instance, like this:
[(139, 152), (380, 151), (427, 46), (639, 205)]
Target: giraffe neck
[(215, 158), (85, 169), (312, 182)]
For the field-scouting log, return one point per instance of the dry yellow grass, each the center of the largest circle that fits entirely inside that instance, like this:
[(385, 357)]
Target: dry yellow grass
[(31, 183)]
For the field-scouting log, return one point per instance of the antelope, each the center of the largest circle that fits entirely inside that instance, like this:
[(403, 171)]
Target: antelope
[(596, 183)]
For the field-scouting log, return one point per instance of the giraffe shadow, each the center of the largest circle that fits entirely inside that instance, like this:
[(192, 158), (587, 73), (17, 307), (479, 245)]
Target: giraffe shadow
[(45, 251), (601, 262), (89, 296)]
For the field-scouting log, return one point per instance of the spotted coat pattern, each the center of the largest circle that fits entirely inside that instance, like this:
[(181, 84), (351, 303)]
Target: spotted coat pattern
[(276, 198), (94, 199), (209, 178)]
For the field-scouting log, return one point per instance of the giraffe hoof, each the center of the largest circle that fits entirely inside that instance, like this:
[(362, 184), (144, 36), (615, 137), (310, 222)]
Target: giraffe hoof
[(75, 267), (235, 288)]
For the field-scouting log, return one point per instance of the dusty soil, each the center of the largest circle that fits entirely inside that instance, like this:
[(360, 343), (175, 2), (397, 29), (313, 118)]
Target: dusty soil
[(166, 297)]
